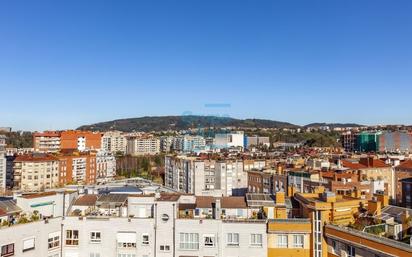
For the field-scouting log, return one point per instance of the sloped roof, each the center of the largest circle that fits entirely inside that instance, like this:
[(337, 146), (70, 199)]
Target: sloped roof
[(406, 165), (86, 200)]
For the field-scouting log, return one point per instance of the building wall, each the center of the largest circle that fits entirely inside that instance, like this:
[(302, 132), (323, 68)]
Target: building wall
[(3, 171), (36, 175), (80, 140)]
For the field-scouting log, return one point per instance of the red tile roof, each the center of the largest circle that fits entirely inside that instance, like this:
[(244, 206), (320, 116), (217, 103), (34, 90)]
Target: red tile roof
[(86, 200), (352, 165), (229, 202), (32, 196), (405, 165), (35, 158)]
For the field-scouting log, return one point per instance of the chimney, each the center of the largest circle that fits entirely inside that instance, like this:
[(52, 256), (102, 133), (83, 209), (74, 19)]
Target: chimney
[(382, 197), (374, 207), (280, 198)]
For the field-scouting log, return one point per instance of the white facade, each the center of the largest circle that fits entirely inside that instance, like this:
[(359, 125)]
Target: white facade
[(205, 177), (223, 141), (162, 235), (3, 172), (105, 166)]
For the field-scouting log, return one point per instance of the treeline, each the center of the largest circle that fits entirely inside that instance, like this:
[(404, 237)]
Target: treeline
[(311, 139), (19, 139), (149, 167)]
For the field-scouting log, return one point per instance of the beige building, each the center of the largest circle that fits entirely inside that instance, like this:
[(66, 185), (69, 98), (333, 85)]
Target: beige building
[(36, 172), (114, 142), (373, 169), (143, 145)]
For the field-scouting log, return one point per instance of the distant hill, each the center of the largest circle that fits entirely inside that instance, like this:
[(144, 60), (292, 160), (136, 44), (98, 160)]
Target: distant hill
[(160, 123), (334, 125)]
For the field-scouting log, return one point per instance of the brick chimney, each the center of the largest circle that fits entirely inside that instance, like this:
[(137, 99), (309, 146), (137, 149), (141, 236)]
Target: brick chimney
[(374, 207)]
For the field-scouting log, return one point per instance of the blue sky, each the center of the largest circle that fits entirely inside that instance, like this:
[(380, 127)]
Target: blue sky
[(69, 63)]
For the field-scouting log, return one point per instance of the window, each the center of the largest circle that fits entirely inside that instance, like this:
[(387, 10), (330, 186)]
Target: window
[(126, 240), (209, 240), (145, 239), (351, 251), (7, 250), (334, 246), (189, 241), (298, 241), (95, 237), (232, 239), (256, 239), (54, 240), (165, 248), (282, 241), (72, 237), (28, 244), (126, 255)]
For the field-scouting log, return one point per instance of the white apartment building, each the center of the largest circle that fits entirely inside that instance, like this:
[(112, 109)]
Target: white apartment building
[(2, 142), (143, 145), (188, 143), (162, 234), (166, 144), (114, 142), (105, 166), (3, 171), (205, 177), (229, 140)]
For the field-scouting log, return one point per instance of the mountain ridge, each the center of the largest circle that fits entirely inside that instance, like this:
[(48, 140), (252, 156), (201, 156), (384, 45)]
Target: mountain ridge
[(183, 122)]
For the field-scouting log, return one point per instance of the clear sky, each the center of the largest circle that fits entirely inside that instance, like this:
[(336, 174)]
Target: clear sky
[(69, 63)]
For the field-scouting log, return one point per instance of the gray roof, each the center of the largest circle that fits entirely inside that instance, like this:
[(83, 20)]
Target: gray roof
[(394, 212), (9, 207), (111, 200)]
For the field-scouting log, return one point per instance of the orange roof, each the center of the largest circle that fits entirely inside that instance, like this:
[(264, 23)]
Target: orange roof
[(374, 163), (352, 165), (35, 158), (407, 165), (86, 200), (33, 196)]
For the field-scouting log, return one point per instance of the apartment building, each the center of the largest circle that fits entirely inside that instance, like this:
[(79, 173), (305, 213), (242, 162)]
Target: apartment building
[(374, 169), (2, 142), (166, 144), (324, 207), (77, 167), (3, 164), (105, 166), (229, 140), (344, 241), (350, 183), (114, 142), (406, 194), (402, 172), (3, 171), (188, 144), (143, 145), (35, 172), (267, 181), (289, 237), (161, 233), (47, 141), (251, 141), (205, 176), (80, 140)]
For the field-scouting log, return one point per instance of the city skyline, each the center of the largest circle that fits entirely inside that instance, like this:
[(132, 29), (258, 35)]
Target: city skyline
[(77, 63)]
